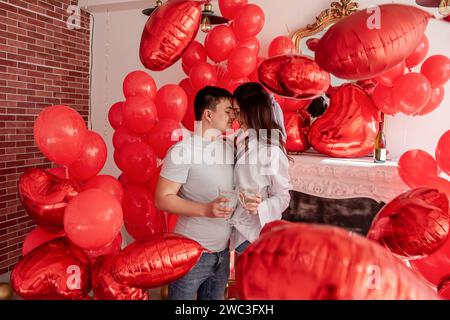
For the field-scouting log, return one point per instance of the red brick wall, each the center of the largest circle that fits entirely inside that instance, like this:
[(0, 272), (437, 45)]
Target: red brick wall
[(42, 63)]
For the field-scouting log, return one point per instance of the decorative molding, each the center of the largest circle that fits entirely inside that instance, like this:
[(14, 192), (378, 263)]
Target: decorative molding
[(334, 13), (337, 178)]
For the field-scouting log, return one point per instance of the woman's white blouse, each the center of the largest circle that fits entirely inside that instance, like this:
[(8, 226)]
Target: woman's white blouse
[(267, 168)]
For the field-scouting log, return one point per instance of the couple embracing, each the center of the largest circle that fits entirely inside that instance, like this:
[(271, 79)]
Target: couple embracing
[(225, 187)]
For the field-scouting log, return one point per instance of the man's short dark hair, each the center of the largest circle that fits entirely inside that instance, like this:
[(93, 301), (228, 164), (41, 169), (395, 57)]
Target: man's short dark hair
[(208, 98)]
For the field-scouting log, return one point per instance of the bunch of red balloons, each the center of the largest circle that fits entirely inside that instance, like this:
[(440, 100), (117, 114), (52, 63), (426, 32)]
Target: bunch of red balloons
[(413, 93), (146, 125), (417, 168), (59, 269), (232, 51), (73, 200)]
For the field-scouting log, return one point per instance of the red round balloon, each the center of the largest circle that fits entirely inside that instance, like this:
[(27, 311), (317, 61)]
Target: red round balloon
[(254, 75), (93, 219), (168, 32), (232, 84), (201, 75), (443, 152), (153, 182), (139, 83), (248, 22), (171, 102), (414, 224), (411, 93), (106, 183), (59, 132), (139, 114), (164, 135), (117, 160), (419, 53), (138, 161), (92, 160), (157, 261), (219, 43), (280, 46), (56, 270), (251, 43), (122, 136), (323, 263), (194, 53), (241, 62), (416, 167), (115, 116), (389, 77), (335, 133), (141, 218), (63, 173), (437, 70), (189, 118), (38, 237), (437, 96), (356, 48), (230, 8), (171, 221), (110, 249), (435, 267), (382, 97), (46, 196)]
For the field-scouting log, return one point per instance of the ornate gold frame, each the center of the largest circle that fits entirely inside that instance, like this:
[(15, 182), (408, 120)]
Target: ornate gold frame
[(337, 11)]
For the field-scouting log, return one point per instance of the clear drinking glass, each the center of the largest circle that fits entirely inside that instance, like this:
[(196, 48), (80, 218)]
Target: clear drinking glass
[(246, 193), (231, 195)]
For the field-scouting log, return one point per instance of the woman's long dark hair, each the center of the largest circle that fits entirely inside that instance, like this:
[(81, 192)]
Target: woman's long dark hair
[(255, 106)]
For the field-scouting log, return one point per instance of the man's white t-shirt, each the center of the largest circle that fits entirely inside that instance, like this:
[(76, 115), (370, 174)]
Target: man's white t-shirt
[(202, 167)]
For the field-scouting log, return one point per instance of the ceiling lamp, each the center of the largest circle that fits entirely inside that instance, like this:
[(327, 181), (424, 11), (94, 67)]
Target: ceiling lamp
[(209, 19)]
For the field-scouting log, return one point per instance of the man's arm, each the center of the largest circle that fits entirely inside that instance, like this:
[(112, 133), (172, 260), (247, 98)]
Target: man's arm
[(167, 199)]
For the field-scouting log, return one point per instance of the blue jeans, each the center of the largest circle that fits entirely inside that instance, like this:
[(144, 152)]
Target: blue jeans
[(206, 281)]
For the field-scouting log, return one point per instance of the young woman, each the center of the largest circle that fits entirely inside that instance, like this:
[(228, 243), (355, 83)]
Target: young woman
[(261, 166)]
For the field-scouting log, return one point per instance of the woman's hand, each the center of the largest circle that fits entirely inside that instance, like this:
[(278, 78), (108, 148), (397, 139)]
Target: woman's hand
[(252, 204)]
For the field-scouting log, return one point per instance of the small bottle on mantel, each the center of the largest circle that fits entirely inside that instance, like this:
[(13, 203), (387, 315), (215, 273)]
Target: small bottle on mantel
[(379, 154)]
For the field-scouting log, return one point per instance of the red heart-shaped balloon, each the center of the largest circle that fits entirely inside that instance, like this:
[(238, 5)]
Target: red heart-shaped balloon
[(46, 196), (294, 76), (55, 270), (349, 125), (168, 32), (268, 72), (363, 45), (157, 261), (297, 126), (106, 288), (302, 78), (414, 224), (323, 263)]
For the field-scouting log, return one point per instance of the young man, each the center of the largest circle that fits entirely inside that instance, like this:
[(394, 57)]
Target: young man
[(193, 172)]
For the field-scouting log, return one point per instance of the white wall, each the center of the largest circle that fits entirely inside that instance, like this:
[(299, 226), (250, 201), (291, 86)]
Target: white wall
[(117, 33)]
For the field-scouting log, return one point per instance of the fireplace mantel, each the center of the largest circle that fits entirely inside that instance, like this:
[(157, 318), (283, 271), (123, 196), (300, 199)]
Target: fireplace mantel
[(339, 178)]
